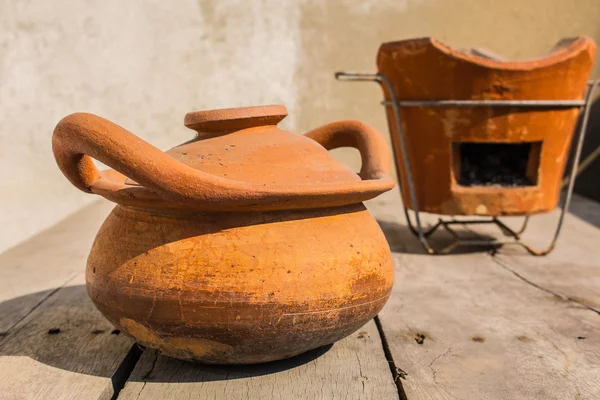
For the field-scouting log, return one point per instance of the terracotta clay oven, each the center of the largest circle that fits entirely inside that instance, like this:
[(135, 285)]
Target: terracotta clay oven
[(243, 245), (484, 160)]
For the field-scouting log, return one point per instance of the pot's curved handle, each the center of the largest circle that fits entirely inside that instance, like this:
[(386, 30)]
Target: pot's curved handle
[(80, 137), (374, 152)]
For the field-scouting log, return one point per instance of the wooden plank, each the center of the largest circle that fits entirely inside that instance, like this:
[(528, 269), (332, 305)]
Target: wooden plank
[(53, 342), (354, 368), (33, 270), (464, 327), (509, 326), (64, 349), (572, 270)]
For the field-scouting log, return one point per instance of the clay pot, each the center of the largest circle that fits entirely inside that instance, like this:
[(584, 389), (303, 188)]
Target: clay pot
[(442, 143), (244, 245)]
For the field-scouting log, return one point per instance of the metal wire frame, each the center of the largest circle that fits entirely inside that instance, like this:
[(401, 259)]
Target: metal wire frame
[(515, 236)]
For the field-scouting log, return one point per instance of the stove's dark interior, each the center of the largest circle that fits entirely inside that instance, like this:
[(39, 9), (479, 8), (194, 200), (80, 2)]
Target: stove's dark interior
[(496, 164)]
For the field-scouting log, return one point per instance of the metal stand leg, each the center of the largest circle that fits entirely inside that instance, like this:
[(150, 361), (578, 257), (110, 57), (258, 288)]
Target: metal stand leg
[(581, 135), (422, 233)]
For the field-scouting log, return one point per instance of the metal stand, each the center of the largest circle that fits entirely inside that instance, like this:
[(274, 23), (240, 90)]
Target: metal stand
[(515, 236)]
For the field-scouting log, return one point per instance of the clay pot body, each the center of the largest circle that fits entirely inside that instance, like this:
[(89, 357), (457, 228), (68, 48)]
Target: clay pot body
[(228, 275), (239, 288), (425, 69)]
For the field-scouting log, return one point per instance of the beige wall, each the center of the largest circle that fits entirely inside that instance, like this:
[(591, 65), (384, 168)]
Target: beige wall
[(144, 64)]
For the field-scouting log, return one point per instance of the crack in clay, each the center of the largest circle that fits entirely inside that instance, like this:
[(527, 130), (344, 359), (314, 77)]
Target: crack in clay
[(336, 309), (152, 306)]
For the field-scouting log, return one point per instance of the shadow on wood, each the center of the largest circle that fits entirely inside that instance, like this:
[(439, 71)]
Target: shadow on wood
[(179, 371), (71, 335), (401, 239), (354, 368)]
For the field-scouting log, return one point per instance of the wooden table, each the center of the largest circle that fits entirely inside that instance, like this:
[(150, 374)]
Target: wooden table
[(463, 326)]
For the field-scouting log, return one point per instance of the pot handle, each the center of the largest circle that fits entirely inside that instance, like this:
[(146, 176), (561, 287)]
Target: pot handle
[(374, 152), (80, 137)]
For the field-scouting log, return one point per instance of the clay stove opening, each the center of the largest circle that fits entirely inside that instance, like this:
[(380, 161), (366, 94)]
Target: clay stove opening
[(496, 164)]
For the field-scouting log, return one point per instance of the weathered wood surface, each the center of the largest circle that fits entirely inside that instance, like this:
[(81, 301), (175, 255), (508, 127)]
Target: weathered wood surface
[(41, 291), (467, 327), (35, 269), (354, 368), (64, 349), (572, 270)]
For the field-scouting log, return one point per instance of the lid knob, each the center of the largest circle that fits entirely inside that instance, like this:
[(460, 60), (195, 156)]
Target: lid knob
[(233, 119)]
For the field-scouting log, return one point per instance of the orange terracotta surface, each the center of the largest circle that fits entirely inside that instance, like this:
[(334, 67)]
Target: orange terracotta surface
[(247, 244), (238, 161), (425, 69)]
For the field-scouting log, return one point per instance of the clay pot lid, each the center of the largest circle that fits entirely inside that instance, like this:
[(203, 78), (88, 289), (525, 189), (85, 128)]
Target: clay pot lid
[(240, 160), (229, 119), (245, 145)]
